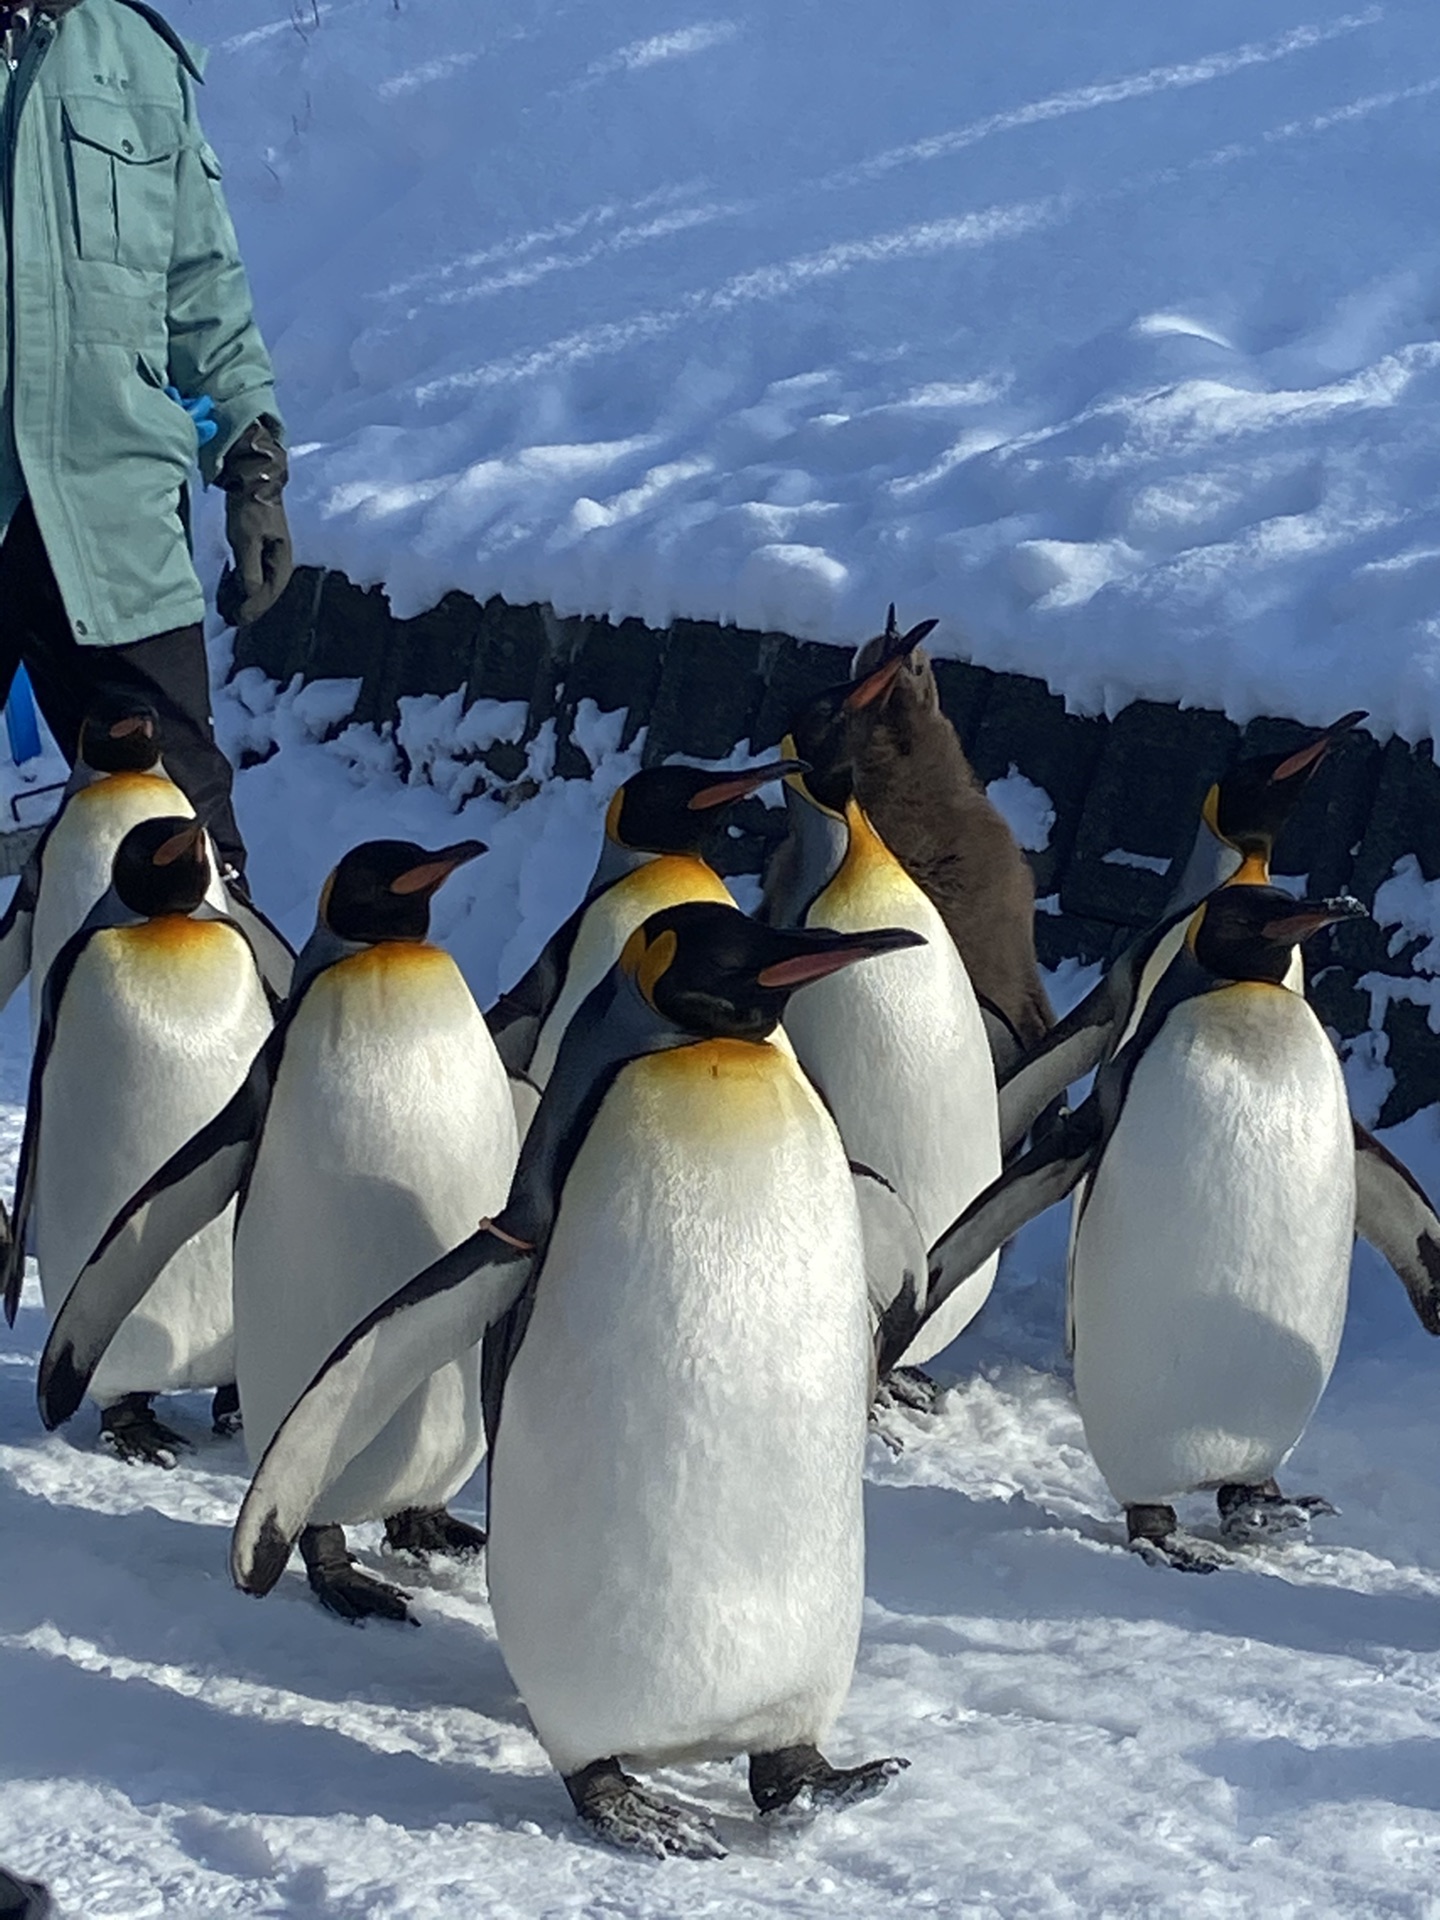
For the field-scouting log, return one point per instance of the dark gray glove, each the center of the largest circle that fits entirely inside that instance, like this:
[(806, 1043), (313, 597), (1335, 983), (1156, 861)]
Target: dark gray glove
[(253, 475)]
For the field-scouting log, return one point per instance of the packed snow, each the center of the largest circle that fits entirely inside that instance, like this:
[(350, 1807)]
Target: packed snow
[(1088, 1736), (1106, 333)]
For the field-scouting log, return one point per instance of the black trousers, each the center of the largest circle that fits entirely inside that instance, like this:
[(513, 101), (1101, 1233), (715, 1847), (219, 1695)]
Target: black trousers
[(169, 670)]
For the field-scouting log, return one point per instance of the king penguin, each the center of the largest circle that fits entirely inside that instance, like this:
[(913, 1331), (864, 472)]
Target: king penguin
[(117, 781), (652, 856), (373, 1130), (916, 785), (1242, 817), (898, 1050), (1209, 1267), (150, 1018), (678, 1370)]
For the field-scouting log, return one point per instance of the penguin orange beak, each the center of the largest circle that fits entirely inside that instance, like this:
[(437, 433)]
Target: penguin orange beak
[(1310, 916), (133, 723), (801, 968), (435, 871), (878, 681), (179, 846), (739, 786), (1308, 758)]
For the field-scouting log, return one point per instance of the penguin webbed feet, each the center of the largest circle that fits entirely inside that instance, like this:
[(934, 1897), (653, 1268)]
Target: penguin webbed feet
[(130, 1430), (423, 1531), (618, 1810), (1263, 1514), (1154, 1533), (796, 1783), (225, 1420), (345, 1589), (910, 1388)]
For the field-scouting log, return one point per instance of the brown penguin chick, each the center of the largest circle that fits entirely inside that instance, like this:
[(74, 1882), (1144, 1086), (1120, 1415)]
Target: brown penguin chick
[(914, 781)]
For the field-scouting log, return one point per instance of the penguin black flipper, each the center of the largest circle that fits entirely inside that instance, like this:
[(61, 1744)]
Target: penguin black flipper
[(1089, 1033), (1002, 1036), (518, 1015), (1394, 1214), (1073, 1047), (194, 1187), (441, 1312), (896, 1269), (54, 992), (18, 921), (274, 955), (1037, 1180)]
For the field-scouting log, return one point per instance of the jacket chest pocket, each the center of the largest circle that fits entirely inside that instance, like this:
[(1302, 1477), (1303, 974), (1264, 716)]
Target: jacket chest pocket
[(122, 162)]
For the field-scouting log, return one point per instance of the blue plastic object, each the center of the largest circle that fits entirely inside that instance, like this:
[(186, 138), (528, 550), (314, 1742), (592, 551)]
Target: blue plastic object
[(201, 411), (21, 723)]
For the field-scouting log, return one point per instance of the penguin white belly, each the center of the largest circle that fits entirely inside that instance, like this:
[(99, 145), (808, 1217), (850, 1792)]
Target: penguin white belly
[(668, 880), (75, 866), (1211, 1263), (157, 1029), (676, 1552), (898, 1049), (390, 1135)]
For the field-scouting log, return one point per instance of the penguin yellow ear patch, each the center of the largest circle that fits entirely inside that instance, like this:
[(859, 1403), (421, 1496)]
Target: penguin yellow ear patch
[(612, 814), (1197, 920), (325, 893), (633, 952), (645, 960), (1210, 812), (658, 955)]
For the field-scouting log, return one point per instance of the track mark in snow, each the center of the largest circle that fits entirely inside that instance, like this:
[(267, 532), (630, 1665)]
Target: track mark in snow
[(1107, 93)]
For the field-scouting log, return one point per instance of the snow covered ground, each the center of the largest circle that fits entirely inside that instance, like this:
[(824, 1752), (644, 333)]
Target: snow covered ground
[(1108, 333), (1088, 1736)]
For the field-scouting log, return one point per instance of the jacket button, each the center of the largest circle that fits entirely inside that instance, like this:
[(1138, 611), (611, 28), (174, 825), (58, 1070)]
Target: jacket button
[(80, 627), (126, 147)]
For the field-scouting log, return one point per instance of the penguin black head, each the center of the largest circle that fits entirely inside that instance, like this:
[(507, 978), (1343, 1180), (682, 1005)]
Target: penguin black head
[(382, 889), (1251, 933), (822, 734), (1249, 807), (162, 866), (712, 971), (119, 734), (670, 809)]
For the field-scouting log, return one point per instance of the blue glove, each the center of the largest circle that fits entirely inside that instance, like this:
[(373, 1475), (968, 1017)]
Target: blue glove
[(201, 412), (20, 721)]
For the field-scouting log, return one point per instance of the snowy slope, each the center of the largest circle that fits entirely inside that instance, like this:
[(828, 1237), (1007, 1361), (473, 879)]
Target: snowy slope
[(1108, 333), (1088, 1736)]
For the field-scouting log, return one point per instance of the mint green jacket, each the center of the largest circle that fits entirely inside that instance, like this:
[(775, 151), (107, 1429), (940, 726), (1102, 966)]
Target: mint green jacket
[(119, 273)]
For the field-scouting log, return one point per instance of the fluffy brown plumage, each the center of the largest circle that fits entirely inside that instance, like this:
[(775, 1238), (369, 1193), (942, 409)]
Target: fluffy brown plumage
[(914, 781)]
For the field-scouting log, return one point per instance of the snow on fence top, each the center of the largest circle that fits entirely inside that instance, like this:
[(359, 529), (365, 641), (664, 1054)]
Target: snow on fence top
[(1107, 333)]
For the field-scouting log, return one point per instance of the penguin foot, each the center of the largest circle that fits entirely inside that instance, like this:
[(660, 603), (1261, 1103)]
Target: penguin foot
[(618, 1810), (426, 1530), (345, 1589), (909, 1388), (1264, 1513), (130, 1431), (800, 1781), (225, 1411), (1154, 1533)]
